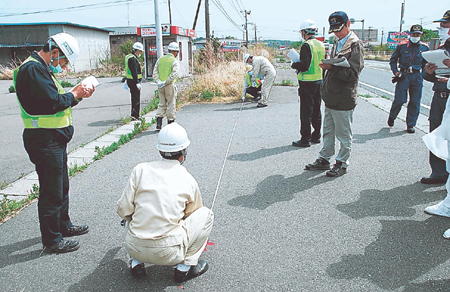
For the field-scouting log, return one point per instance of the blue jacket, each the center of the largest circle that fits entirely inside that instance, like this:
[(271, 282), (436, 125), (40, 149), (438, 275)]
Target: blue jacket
[(408, 55), (438, 86)]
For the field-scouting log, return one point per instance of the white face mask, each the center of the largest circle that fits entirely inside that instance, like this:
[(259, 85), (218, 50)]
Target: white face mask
[(443, 33), (415, 40)]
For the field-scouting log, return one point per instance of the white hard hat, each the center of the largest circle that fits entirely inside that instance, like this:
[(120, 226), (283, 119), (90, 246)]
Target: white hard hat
[(138, 46), (68, 45), (173, 46), (309, 26), (246, 57), (172, 138)]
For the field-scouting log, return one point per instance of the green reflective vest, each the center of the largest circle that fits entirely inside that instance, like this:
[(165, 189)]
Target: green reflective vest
[(165, 66), (249, 82), (61, 119), (314, 72), (129, 76)]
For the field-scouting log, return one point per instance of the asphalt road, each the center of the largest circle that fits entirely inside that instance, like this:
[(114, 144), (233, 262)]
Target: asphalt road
[(277, 227), (92, 117)]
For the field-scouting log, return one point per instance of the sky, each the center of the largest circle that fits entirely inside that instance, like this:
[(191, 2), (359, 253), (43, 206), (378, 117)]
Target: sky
[(274, 19)]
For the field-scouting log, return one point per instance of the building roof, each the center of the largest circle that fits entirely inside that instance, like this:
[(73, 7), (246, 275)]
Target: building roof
[(26, 45), (121, 30), (54, 23)]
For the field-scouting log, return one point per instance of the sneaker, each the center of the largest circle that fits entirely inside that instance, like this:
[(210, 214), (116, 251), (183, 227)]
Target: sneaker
[(319, 164), (261, 105), (195, 271), (410, 130), (438, 210), (337, 170), (63, 246), (301, 143), (138, 271), (75, 230), (390, 122)]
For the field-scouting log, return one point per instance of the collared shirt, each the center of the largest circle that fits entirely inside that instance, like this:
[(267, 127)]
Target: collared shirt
[(156, 199), (341, 43)]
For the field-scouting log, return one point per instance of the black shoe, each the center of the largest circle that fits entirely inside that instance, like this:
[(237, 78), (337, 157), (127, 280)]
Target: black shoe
[(138, 271), (170, 121), (261, 105), (337, 170), (301, 143), (195, 271), (75, 230), (432, 180), (410, 130), (62, 246), (135, 119), (158, 123), (319, 164), (315, 141), (390, 122)]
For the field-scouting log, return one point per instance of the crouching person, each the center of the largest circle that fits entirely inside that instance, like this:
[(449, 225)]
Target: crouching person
[(166, 222)]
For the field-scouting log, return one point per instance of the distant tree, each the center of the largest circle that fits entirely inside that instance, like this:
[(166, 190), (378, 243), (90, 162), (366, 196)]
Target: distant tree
[(230, 38), (428, 34)]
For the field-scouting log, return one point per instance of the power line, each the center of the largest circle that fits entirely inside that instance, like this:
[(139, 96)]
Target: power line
[(236, 9), (81, 7), (222, 9)]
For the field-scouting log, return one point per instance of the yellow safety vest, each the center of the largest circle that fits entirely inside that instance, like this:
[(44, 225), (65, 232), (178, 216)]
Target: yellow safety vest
[(314, 72), (165, 66), (129, 76), (61, 119)]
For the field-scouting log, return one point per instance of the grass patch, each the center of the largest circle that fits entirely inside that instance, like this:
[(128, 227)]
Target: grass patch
[(10, 207), (65, 84), (77, 169), (285, 82), (385, 97), (365, 95), (152, 105)]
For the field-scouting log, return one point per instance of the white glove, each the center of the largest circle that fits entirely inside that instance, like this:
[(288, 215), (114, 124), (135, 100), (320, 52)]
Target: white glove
[(161, 84), (254, 84), (243, 98), (139, 86)]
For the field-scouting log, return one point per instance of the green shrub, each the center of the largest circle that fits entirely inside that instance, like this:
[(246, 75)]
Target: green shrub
[(12, 89), (66, 84)]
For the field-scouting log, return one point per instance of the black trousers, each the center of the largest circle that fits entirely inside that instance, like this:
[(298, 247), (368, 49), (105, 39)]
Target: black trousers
[(49, 155), (438, 166), (310, 115), (135, 98), (254, 91)]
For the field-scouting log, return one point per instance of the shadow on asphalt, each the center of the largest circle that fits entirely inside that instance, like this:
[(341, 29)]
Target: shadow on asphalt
[(261, 153), (404, 249), (277, 188), (434, 285), (236, 109), (11, 254), (105, 123), (381, 134), (113, 274)]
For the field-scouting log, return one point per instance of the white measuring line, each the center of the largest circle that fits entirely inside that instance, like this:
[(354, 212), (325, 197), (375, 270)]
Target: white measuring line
[(387, 92), (226, 155)]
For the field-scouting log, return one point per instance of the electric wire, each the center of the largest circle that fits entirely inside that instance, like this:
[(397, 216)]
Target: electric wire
[(226, 156), (222, 9)]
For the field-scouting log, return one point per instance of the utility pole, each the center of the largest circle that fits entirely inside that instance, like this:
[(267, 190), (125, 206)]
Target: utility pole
[(208, 35), (401, 22), (170, 13), (256, 39), (128, 8), (196, 14), (246, 12), (159, 43)]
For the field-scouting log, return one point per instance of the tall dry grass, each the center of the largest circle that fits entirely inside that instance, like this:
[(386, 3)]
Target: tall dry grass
[(6, 73)]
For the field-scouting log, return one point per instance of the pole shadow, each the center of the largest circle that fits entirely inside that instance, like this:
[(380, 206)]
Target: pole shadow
[(383, 133), (264, 152), (10, 254)]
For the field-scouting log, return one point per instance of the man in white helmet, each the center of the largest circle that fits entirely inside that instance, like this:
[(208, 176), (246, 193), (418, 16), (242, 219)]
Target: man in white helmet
[(262, 66), (309, 76), (167, 223), (165, 74), (46, 110), (134, 78)]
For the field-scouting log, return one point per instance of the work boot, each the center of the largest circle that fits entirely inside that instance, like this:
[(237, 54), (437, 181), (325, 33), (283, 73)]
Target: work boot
[(433, 180), (170, 121), (195, 271), (410, 130), (158, 123), (138, 271), (301, 143), (390, 122), (75, 230), (63, 246), (337, 170), (319, 164)]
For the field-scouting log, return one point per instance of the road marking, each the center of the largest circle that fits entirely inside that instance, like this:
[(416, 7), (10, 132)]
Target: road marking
[(387, 92)]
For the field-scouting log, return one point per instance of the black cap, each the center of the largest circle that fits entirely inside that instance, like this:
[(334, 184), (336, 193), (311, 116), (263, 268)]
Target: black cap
[(416, 28), (337, 21), (444, 18)]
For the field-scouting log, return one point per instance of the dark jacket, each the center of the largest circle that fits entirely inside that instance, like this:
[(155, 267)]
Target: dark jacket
[(135, 69), (39, 95), (408, 55), (438, 85), (340, 85)]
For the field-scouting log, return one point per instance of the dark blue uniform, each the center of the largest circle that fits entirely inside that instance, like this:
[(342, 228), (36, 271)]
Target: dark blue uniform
[(407, 59), (438, 103)]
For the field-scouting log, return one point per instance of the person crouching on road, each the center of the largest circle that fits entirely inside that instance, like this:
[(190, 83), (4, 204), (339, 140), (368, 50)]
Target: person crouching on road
[(309, 76), (252, 89), (134, 78), (47, 116), (165, 74), (167, 223), (262, 66)]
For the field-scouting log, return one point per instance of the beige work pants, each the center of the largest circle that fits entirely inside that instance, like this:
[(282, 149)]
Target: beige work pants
[(267, 85), (183, 248), (167, 102)]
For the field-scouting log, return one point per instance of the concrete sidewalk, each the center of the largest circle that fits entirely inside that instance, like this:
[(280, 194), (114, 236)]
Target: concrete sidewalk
[(278, 227)]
